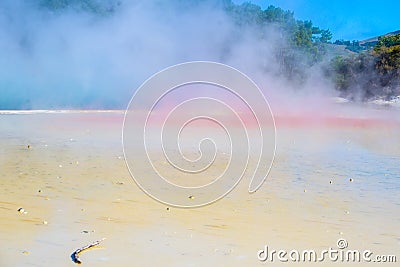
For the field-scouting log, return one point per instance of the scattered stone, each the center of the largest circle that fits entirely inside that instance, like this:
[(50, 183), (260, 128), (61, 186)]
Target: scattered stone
[(21, 210), (60, 166), (29, 146), (25, 252), (347, 212), (351, 180), (191, 197), (305, 190), (87, 231), (168, 208), (330, 182), (45, 222), (340, 233), (40, 191)]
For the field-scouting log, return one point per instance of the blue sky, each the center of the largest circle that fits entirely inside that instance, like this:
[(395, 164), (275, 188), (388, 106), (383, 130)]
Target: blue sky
[(347, 19)]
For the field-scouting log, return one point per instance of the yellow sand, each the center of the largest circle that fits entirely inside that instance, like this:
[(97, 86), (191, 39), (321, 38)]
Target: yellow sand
[(75, 187)]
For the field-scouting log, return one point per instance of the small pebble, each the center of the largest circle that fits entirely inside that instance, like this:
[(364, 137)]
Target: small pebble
[(347, 212), (351, 180), (167, 208), (330, 182), (60, 166), (45, 222), (21, 210), (340, 233), (25, 252), (191, 197), (29, 146), (305, 190)]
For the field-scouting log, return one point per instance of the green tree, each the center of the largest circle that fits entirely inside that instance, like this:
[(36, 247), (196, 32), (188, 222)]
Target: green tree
[(326, 36), (371, 74), (387, 41)]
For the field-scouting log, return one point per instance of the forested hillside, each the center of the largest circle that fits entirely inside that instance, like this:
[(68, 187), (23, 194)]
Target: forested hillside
[(370, 74)]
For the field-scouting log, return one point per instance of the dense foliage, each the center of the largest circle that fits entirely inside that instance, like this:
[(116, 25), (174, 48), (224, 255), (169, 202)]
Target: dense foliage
[(370, 74), (99, 7)]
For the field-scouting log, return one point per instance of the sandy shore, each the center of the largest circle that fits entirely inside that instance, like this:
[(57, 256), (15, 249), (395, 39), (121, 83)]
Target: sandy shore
[(332, 179)]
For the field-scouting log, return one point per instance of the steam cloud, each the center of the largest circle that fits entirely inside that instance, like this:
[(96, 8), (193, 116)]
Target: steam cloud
[(70, 58)]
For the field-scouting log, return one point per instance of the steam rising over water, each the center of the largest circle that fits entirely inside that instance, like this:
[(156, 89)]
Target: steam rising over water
[(71, 58)]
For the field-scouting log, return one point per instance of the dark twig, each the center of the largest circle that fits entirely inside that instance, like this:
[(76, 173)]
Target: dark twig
[(75, 254)]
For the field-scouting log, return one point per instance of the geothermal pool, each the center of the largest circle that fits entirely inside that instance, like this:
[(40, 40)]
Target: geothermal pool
[(334, 178)]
